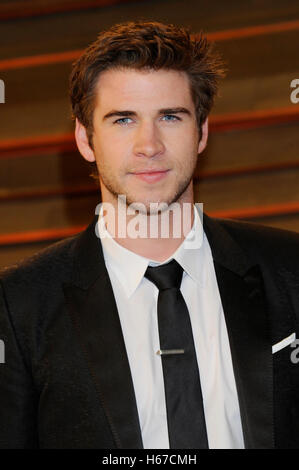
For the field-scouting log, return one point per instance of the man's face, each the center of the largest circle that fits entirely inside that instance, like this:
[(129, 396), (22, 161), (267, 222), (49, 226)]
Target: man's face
[(146, 138)]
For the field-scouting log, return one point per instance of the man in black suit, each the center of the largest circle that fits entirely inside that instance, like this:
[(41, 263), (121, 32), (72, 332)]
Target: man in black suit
[(113, 341)]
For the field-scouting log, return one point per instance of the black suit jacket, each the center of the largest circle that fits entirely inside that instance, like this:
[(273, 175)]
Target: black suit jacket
[(66, 380)]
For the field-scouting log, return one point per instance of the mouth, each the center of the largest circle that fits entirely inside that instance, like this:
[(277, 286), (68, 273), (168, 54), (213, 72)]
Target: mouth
[(151, 176)]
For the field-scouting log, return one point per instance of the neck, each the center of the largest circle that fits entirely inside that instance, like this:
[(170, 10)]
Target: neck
[(155, 236)]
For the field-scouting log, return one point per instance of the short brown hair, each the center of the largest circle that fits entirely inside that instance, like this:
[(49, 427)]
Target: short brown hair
[(142, 45)]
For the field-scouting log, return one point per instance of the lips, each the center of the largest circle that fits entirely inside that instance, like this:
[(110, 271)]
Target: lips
[(151, 176)]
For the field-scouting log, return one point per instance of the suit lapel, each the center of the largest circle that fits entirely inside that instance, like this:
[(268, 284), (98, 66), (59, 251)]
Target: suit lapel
[(241, 289), (94, 314)]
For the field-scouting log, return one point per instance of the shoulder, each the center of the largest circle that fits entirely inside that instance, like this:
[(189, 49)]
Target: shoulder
[(40, 279), (276, 246), (52, 264)]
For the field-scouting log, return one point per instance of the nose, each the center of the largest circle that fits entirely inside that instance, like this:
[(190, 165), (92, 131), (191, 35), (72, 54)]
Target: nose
[(148, 141)]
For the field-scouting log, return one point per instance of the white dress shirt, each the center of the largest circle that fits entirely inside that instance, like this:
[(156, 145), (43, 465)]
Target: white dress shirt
[(136, 299)]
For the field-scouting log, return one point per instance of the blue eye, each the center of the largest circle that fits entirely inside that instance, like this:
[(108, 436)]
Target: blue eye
[(173, 118), (123, 120)]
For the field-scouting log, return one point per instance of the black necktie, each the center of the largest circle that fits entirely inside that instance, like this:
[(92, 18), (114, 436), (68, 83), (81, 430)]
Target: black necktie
[(185, 414)]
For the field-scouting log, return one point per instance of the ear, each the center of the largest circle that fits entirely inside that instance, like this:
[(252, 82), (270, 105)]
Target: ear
[(82, 142), (204, 136)]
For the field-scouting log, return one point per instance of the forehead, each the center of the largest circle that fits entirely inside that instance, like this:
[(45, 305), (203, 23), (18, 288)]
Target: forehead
[(123, 86)]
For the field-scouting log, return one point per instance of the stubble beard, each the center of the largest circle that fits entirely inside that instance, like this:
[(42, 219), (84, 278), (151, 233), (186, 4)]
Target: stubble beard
[(151, 207)]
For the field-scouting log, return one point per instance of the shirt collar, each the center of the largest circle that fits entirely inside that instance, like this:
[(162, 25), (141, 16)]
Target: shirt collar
[(129, 267)]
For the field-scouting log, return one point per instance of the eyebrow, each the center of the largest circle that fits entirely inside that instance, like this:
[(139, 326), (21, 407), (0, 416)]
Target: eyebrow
[(163, 111)]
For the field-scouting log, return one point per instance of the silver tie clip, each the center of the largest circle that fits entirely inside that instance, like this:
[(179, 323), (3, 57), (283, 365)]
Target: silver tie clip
[(164, 352)]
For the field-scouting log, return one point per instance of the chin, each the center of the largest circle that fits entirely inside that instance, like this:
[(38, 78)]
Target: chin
[(152, 206)]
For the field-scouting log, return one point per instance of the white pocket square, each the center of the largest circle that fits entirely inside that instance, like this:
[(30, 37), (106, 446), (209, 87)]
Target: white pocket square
[(283, 343)]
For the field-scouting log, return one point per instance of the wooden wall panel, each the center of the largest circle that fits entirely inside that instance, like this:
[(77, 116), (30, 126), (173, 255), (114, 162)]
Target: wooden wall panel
[(57, 212), (251, 148), (240, 192), (247, 171), (74, 30), (12, 9)]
